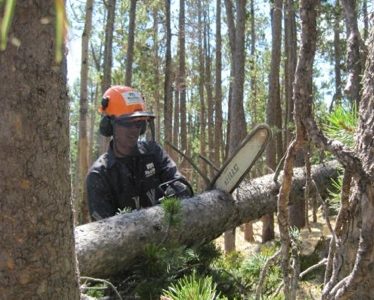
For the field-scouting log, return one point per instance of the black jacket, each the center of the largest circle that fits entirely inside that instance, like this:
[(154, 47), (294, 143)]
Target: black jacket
[(131, 182)]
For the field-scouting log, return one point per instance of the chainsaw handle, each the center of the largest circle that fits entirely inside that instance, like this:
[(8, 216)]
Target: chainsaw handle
[(165, 185)]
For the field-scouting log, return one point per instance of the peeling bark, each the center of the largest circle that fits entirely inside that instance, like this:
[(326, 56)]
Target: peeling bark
[(358, 284), (355, 53)]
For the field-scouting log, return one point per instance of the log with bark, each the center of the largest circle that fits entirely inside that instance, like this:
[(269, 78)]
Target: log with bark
[(109, 246)]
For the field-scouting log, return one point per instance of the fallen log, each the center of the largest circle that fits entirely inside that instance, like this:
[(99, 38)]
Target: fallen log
[(111, 245)]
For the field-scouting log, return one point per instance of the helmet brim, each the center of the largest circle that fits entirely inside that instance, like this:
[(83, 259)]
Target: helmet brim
[(135, 115)]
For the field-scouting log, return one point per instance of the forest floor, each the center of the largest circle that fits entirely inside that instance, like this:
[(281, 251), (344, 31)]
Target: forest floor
[(308, 289)]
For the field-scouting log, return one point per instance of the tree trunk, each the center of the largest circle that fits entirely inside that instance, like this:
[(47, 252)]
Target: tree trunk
[(202, 164), (248, 228), (237, 127), (37, 258), (209, 93), (182, 76), (96, 55), (337, 57), (218, 134), (273, 110), (168, 96), (93, 117), (297, 211), (355, 49), (290, 49), (156, 91), (108, 61), (81, 207), (302, 108), (253, 67), (108, 246), (358, 284), (366, 19), (176, 125), (130, 43)]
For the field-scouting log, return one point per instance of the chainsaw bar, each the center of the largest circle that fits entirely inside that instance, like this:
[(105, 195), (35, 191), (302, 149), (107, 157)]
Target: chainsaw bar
[(238, 165)]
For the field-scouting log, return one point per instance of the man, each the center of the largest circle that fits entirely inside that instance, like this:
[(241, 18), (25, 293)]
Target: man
[(132, 174)]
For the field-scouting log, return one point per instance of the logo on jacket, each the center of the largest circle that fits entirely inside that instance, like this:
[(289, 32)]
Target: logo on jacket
[(150, 170)]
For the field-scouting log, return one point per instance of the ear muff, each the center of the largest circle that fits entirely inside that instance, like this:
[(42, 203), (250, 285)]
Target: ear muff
[(104, 103), (106, 126)]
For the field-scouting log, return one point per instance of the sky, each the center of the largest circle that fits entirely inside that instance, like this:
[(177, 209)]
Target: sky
[(73, 55), (74, 60)]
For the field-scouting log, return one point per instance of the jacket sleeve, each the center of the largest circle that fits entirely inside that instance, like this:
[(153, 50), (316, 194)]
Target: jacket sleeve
[(100, 198)]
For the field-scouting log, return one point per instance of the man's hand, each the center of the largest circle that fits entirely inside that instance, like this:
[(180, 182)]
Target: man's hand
[(178, 187)]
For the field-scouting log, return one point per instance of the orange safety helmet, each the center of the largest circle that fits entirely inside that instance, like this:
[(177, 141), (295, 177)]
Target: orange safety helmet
[(125, 102)]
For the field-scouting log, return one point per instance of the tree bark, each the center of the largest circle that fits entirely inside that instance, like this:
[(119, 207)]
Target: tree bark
[(337, 57), (237, 125), (82, 215), (209, 93), (253, 67), (108, 246), (290, 49), (176, 118), (37, 258), (355, 51), (358, 284), (168, 89), (366, 19), (130, 43), (182, 75), (273, 109), (218, 134), (202, 97), (156, 73), (108, 61)]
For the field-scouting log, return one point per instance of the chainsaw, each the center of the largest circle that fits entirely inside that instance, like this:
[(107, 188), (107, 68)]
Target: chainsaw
[(237, 166), (240, 163)]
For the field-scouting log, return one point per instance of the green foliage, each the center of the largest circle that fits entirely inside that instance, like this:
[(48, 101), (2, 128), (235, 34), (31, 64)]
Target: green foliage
[(295, 237), (252, 268), (333, 201), (6, 21), (163, 265), (123, 211), (172, 209), (206, 254), (237, 276), (97, 290), (341, 124), (193, 287)]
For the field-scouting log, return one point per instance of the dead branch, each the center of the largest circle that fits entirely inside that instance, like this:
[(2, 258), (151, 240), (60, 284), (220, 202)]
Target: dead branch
[(189, 159), (210, 163), (271, 261), (312, 268)]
